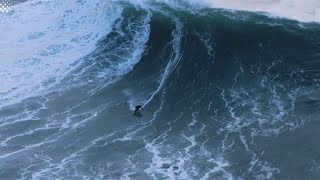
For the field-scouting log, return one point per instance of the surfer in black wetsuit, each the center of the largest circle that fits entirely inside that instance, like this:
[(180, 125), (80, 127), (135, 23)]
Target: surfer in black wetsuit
[(137, 110)]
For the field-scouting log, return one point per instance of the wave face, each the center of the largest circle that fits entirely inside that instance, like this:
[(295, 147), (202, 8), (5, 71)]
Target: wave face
[(226, 94)]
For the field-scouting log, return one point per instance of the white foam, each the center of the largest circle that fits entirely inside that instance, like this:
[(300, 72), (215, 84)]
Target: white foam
[(207, 40), (40, 39), (194, 120)]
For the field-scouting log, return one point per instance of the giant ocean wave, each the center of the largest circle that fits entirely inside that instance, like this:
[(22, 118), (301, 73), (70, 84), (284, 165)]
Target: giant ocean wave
[(227, 93)]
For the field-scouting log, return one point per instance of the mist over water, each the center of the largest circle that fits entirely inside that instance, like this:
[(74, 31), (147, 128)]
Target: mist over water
[(305, 11), (225, 94)]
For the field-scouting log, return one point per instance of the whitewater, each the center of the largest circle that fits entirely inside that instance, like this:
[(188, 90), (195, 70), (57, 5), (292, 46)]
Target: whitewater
[(230, 89)]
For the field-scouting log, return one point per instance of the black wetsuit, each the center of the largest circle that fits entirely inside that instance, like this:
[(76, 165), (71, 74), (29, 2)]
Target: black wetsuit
[(137, 110)]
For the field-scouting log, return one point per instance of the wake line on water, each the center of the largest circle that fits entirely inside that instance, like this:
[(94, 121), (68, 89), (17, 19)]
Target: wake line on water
[(173, 63)]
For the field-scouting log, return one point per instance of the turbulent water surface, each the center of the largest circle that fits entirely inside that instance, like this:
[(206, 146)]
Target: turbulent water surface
[(227, 94)]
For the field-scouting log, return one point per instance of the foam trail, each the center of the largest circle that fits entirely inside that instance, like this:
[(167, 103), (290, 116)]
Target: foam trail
[(173, 63)]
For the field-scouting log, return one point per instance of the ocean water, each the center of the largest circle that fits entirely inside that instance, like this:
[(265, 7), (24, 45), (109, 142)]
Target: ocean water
[(229, 92)]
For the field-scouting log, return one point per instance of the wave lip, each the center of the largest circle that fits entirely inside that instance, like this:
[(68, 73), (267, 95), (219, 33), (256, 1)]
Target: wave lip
[(41, 39)]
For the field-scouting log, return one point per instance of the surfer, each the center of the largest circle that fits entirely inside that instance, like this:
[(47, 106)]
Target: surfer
[(137, 110)]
